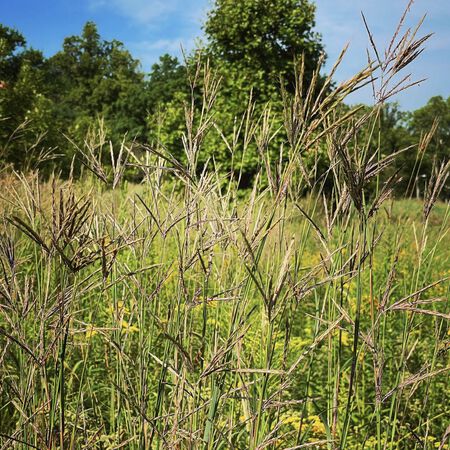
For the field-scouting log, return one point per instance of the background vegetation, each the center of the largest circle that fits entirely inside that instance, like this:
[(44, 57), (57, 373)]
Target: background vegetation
[(48, 104)]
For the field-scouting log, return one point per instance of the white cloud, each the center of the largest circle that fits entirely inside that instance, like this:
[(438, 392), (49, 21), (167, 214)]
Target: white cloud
[(140, 11), (148, 52), (166, 45), (146, 12), (162, 26)]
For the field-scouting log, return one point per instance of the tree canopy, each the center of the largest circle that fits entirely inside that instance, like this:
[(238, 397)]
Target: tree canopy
[(262, 38), (98, 78)]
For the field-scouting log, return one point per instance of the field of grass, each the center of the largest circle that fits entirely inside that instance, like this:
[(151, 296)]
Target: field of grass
[(182, 313), (152, 318)]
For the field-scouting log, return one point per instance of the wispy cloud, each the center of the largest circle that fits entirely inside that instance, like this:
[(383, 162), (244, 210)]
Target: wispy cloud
[(146, 12), (161, 26), (148, 52)]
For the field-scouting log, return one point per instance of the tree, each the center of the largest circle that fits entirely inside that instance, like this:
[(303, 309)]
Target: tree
[(261, 39), (251, 44), (406, 131), (95, 78), (422, 119), (167, 77), (25, 109), (12, 43), (420, 123)]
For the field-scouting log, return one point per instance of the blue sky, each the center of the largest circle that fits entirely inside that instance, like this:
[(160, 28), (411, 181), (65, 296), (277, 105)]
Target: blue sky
[(149, 28)]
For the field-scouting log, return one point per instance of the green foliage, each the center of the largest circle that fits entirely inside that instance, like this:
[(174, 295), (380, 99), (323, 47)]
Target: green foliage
[(25, 107), (167, 77), (98, 78), (261, 39), (11, 44), (425, 133), (44, 100), (251, 45), (421, 122), (167, 93)]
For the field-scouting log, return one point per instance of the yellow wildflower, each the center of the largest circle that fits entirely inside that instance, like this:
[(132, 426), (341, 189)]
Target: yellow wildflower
[(90, 332), (345, 339), (122, 308), (292, 419), (317, 426), (128, 327)]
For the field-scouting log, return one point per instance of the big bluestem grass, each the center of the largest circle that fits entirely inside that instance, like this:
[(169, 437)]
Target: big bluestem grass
[(176, 314)]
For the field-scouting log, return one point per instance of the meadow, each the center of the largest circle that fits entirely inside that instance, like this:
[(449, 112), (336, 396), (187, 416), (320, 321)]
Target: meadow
[(311, 311)]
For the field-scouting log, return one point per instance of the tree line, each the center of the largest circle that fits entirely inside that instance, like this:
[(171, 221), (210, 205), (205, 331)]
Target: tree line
[(49, 104)]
